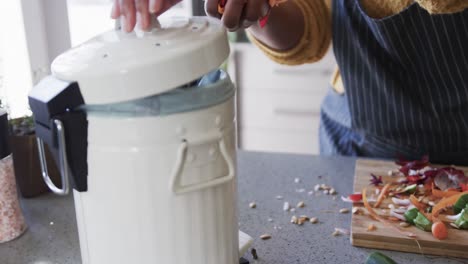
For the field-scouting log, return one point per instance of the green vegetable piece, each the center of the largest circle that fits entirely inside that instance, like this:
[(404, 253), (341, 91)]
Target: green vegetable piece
[(379, 258), (461, 203), (462, 221), (411, 188), (423, 223), (410, 215)]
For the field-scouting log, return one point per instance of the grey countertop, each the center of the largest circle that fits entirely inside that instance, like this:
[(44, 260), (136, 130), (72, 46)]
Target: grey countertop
[(52, 236)]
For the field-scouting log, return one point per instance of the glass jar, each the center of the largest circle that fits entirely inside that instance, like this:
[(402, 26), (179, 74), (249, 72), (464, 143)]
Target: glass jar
[(12, 223)]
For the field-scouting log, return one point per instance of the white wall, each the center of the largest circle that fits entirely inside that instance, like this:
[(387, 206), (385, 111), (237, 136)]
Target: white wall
[(2, 94), (17, 74), (32, 34), (57, 27), (36, 38), (88, 18), (47, 33)]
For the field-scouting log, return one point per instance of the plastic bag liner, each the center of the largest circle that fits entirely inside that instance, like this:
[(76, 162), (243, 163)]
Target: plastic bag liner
[(212, 89)]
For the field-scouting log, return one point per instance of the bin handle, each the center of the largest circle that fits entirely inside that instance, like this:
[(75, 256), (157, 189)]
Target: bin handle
[(64, 169), (182, 157)]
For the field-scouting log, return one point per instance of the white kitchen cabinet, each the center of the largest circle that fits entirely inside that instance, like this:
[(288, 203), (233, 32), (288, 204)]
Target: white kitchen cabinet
[(278, 106)]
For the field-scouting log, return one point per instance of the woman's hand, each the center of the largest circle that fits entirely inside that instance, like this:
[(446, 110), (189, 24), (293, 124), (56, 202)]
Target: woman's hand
[(133, 11), (280, 33), (238, 13)]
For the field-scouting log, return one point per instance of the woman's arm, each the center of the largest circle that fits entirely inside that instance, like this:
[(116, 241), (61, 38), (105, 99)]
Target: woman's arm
[(284, 29), (285, 24), (313, 43)]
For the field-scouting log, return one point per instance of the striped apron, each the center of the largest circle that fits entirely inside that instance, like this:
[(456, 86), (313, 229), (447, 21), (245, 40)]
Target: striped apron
[(406, 81)]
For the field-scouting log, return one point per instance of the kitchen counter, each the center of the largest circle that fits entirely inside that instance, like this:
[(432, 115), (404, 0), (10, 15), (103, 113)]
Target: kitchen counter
[(52, 236)]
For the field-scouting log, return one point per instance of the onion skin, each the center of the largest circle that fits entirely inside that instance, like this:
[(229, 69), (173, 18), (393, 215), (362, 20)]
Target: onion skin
[(449, 218), (399, 216), (404, 202)]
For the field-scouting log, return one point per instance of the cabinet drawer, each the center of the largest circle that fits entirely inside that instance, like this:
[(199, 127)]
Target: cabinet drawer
[(293, 112), (256, 71), (278, 105)]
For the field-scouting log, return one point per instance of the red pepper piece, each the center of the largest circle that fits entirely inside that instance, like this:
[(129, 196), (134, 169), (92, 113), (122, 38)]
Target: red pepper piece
[(264, 20), (355, 197), (464, 187), (221, 5)]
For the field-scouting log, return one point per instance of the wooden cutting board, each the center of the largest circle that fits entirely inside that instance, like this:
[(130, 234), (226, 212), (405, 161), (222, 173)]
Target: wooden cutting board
[(387, 238)]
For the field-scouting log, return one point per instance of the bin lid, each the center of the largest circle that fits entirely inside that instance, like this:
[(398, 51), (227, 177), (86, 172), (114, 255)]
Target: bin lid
[(117, 66)]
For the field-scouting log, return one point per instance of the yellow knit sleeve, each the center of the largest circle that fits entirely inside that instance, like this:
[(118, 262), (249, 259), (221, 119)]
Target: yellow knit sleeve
[(314, 42), (443, 6)]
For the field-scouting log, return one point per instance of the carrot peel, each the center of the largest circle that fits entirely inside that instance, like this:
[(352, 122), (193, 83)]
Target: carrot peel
[(446, 203), (416, 203), (442, 194), (379, 218), (382, 195)]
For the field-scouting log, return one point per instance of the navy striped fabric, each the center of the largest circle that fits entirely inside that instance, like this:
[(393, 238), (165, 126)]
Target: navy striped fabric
[(406, 82)]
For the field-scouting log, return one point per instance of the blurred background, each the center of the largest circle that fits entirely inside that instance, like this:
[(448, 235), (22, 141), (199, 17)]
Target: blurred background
[(278, 106)]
